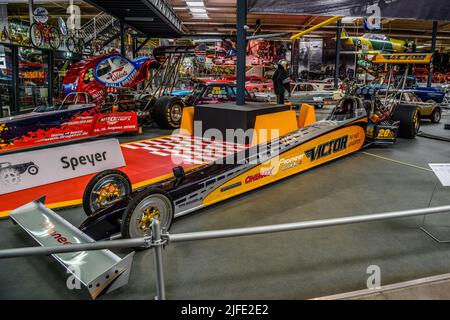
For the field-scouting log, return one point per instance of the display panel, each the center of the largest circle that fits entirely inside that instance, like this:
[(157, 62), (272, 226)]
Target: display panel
[(6, 81), (33, 78)]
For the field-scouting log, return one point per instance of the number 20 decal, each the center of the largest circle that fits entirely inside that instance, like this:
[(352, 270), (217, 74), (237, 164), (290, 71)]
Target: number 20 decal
[(385, 133)]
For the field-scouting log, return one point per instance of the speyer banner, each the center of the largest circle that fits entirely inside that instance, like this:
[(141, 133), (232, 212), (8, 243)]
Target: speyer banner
[(36, 168)]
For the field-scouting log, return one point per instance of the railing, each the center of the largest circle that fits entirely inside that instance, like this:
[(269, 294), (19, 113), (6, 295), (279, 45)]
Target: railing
[(165, 12), (160, 239), (96, 25)]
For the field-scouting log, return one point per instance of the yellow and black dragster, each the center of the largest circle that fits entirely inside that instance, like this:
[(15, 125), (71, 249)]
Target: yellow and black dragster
[(300, 143), (299, 147)]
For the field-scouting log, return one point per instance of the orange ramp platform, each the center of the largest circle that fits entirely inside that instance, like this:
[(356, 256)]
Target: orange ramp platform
[(147, 161)]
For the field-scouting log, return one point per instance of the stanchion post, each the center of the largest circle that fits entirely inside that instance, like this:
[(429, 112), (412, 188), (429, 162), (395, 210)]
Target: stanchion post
[(157, 243), (241, 45), (433, 50), (338, 54)]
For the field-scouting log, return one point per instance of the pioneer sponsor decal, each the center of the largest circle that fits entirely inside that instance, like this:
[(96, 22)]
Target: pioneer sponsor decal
[(286, 164), (258, 176), (327, 148)]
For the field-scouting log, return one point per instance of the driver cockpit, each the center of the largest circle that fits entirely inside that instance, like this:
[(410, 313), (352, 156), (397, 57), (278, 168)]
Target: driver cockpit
[(347, 109)]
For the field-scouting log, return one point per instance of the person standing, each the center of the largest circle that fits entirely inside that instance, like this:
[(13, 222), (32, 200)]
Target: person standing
[(281, 81), (274, 79)]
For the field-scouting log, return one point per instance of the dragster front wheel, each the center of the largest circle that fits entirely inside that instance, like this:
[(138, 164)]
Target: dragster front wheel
[(142, 210), (104, 188)]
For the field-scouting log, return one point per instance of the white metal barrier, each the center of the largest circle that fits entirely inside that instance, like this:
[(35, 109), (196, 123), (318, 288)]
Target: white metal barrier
[(160, 238)]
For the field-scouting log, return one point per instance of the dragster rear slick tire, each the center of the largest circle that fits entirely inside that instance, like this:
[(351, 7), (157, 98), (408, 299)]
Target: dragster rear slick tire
[(100, 181), (167, 112), (409, 117)]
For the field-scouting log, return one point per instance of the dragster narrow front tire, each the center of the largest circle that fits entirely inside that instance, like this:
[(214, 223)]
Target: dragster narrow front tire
[(409, 117), (140, 212), (167, 112), (105, 187)]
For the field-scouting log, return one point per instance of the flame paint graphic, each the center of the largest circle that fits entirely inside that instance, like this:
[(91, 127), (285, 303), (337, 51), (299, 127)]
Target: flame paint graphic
[(3, 143), (38, 137)]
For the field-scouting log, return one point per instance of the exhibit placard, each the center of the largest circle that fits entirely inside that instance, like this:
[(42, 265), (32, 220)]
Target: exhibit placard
[(36, 168), (442, 171)]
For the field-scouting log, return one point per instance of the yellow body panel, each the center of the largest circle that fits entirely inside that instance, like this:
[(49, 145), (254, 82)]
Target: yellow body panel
[(187, 121), (307, 115), (291, 162), (274, 125)]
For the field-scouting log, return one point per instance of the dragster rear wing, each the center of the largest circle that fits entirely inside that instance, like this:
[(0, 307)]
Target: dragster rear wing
[(404, 58), (100, 271)]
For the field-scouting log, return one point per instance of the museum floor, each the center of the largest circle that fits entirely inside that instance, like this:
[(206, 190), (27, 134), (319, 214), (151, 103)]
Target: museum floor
[(294, 265)]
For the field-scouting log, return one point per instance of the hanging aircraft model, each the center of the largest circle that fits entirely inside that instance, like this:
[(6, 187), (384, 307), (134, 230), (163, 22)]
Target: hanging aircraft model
[(373, 43)]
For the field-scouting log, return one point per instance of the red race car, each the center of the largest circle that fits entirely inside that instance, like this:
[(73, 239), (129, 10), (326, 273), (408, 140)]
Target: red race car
[(95, 75), (259, 85), (75, 119)]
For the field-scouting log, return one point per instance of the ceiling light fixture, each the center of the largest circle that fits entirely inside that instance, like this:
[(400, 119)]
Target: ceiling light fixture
[(200, 15), (349, 20), (198, 10), (195, 4)]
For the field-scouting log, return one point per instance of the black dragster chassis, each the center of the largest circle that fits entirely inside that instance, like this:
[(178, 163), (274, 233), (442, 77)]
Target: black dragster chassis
[(246, 170)]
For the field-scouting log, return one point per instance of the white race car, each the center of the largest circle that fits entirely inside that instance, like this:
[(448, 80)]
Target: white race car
[(302, 92)]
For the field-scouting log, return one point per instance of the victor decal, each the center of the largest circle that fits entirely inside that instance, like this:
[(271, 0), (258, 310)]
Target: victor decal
[(327, 148)]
